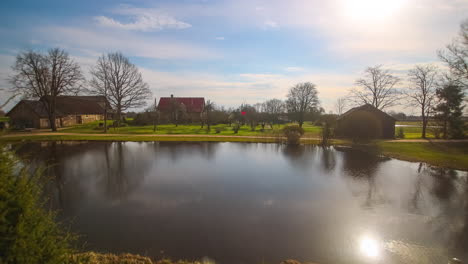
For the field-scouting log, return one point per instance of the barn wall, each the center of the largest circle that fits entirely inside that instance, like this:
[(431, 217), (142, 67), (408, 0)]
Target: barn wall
[(23, 116), (91, 118)]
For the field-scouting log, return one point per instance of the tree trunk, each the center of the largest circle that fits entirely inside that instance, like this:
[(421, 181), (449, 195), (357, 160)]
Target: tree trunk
[(119, 114), (424, 124), (445, 129), (52, 115), (300, 123)]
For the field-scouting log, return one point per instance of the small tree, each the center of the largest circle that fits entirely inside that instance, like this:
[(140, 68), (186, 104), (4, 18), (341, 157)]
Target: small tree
[(302, 98), (273, 109), (422, 90), (449, 110), (206, 114)]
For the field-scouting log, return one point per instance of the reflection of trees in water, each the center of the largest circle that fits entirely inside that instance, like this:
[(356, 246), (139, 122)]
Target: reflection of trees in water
[(62, 189), (363, 165), (176, 150), (328, 158), (449, 194), (451, 222)]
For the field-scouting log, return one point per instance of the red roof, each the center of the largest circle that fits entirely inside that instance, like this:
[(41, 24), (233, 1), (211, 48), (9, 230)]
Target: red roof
[(193, 104)]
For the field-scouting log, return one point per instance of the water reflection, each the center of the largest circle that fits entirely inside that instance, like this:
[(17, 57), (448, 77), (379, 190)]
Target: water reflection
[(247, 203)]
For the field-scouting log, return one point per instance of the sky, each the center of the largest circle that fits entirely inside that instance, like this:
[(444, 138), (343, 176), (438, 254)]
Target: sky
[(239, 51)]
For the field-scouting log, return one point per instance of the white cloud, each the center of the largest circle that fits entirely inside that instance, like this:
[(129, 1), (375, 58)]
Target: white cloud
[(219, 38), (143, 20), (100, 41)]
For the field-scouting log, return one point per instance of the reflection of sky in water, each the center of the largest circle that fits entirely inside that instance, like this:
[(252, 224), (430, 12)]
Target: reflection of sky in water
[(246, 203)]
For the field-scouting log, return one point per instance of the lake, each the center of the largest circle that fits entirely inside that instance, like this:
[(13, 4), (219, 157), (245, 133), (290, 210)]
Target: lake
[(254, 203)]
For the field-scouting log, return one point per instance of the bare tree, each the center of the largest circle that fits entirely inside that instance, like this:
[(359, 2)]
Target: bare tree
[(377, 87), (206, 113), (46, 76), (273, 109), (302, 98), (455, 55), (422, 91), (340, 105), (116, 78)]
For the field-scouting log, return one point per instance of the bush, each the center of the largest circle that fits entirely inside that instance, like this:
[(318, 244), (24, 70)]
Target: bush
[(28, 233), (360, 125), (236, 128), (400, 133), (293, 134)]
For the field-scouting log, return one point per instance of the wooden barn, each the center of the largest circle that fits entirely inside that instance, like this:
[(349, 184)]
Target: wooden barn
[(192, 106), (367, 121), (70, 110)]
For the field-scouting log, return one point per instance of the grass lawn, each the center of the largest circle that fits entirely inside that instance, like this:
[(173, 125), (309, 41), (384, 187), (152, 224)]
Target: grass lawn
[(445, 154), (192, 129), (413, 132)]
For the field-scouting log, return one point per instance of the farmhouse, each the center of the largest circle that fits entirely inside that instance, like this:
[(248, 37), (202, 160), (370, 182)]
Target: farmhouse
[(172, 107), (366, 121), (70, 110)]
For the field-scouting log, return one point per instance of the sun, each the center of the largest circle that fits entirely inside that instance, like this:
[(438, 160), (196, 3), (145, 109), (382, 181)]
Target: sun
[(371, 10)]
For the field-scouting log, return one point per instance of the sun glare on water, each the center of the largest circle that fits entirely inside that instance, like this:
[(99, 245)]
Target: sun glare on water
[(369, 247)]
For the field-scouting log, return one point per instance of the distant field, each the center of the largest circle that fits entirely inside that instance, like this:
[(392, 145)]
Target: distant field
[(413, 132), (4, 118), (170, 129)]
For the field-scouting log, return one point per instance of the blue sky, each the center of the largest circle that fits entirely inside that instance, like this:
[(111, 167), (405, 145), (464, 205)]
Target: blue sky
[(237, 51)]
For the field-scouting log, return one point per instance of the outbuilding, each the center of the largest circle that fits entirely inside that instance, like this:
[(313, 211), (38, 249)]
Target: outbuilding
[(365, 121)]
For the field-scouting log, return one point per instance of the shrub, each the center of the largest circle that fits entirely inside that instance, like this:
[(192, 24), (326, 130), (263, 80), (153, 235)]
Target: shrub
[(400, 133), (293, 134), (28, 233), (360, 125), (236, 128), (325, 134)]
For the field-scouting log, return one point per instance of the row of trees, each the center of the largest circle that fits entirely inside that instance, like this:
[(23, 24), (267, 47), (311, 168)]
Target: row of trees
[(53, 74)]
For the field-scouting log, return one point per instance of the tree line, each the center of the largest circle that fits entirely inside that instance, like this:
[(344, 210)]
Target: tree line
[(438, 95)]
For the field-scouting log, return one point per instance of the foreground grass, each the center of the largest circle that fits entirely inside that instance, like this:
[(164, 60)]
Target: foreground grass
[(444, 154)]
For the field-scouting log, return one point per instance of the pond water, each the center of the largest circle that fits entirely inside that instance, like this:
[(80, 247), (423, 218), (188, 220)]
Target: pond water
[(254, 203)]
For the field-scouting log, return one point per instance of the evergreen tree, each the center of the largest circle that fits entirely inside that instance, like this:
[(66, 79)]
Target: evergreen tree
[(449, 110), (28, 232)]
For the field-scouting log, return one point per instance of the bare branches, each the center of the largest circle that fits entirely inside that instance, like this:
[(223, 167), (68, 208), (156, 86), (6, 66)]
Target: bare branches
[(340, 105), (302, 98), (455, 55), (115, 77), (46, 75), (377, 88), (422, 90)]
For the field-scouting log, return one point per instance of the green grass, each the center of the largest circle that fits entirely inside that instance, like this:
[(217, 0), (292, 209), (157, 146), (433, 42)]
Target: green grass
[(444, 154), (4, 118), (192, 129), (413, 132)]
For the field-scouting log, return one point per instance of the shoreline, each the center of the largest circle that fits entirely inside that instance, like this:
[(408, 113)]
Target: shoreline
[(452, 154)]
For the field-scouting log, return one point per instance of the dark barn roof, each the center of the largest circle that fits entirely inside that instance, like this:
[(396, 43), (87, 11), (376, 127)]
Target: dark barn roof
[(193, 104), (68, 105), (368, 108)]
